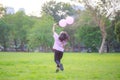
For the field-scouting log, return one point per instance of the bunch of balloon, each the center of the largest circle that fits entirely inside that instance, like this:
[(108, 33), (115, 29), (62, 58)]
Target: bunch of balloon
[(68, 21)]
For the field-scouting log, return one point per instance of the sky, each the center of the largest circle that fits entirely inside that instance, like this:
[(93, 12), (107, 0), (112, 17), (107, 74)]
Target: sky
[(30, 6)]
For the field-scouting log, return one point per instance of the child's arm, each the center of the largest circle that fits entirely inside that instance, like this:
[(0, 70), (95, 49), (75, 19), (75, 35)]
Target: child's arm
[(54, 25)]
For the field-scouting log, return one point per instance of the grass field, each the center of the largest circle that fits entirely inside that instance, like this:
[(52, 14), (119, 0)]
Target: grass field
[(40, 66)]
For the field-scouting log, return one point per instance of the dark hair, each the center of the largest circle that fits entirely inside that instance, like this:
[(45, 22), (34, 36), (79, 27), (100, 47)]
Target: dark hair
[(63, 36)]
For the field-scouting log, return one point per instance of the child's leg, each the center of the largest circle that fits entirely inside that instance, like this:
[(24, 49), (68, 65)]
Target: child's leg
[(60, 56), (57, 57)]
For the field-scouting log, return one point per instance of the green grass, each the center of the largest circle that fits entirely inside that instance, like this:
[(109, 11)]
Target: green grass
[(41, 66)]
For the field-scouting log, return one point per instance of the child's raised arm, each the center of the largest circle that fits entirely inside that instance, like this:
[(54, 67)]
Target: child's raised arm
[(54, 25)]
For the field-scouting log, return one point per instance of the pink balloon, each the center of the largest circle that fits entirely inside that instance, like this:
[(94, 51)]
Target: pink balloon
[(70, 20), (62, 23)]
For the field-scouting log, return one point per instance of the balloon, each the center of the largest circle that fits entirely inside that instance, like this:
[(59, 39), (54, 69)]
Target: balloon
[(62, 23), (70, 20)]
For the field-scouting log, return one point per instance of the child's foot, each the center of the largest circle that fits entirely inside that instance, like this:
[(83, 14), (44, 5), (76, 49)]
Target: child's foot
[(57, 70), (61, 67)]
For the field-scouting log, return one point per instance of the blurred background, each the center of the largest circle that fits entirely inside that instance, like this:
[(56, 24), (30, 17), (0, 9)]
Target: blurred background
[(27, 25)]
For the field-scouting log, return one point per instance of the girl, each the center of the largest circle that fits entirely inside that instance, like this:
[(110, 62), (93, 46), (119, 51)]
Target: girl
[(58, 47)]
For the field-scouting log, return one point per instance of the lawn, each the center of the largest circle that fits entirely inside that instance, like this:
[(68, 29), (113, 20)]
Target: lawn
[(41, 66)]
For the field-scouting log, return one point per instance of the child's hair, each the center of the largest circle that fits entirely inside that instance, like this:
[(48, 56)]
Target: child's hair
[(63, 36)]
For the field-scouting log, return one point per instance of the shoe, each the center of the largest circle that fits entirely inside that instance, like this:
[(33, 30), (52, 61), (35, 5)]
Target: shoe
[(57, 70), (61, 67)]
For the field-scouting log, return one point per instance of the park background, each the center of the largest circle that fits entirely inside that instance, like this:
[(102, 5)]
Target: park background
[(26, 41), (96, 27)]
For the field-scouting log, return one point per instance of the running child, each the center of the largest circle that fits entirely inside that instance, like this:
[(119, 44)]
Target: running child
[(59, 43)]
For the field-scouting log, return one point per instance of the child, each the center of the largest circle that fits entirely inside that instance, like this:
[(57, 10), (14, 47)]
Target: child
[(58, 47)]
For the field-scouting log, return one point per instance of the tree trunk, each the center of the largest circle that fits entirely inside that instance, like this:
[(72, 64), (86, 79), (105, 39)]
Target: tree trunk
[(107, 46), (102, 47), (104, 35), (22, 46), (15, 43), (5, 46)]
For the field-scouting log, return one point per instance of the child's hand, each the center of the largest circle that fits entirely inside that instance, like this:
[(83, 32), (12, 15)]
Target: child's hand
[(54, 24)]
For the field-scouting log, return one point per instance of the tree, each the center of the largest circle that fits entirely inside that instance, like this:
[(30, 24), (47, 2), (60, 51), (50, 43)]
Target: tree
[(58, 10), (23, 23), (87, 32), (4, 34), (101, 12), (18, 23), (117, 30), (40, 36), (117, 25), (89, 36)]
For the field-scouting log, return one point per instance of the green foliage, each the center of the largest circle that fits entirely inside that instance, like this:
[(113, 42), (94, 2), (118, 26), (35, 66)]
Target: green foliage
[(89, 36), (116, 23), (22, 23), (18, 25), (117, 30), (87, 32), (36, 32), (4, 34), (40, 66), (41, 33), (101, 12), (57, 10)]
